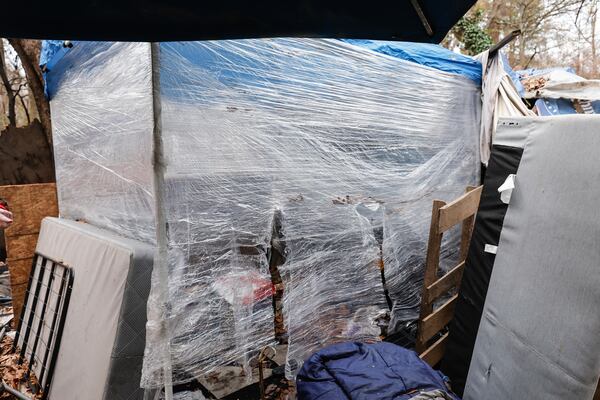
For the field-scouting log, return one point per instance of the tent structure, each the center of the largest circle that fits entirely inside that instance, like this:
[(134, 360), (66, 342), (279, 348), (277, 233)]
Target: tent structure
[(284, 187), (323, 151)]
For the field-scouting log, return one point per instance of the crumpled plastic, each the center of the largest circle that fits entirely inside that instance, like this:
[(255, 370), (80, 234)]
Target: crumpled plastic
[(344, 148)]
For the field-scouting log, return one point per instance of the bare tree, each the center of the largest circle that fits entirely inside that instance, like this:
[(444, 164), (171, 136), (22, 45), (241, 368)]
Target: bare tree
[(545, 26), (24, 105), (593, 15), (536, 19), (28, 52), (12, 116), (585, 22)]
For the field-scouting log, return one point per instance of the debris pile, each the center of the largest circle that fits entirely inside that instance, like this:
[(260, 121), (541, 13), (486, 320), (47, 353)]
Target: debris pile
[(534, 83), (14, 374)]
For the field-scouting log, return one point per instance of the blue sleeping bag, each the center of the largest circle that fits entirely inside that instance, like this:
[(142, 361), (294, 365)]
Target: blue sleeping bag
[(367, 371)]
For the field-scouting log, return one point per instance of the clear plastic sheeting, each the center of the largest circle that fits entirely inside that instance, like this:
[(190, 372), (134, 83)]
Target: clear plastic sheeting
[(340, 147), (101, 103), (330, 296), (220, 290)]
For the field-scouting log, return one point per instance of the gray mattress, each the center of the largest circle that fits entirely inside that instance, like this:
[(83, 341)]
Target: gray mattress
[(103, 341), (538, 338)]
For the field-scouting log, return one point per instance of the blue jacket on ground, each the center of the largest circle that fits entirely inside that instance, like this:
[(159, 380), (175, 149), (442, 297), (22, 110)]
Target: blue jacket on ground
[(361, 371)]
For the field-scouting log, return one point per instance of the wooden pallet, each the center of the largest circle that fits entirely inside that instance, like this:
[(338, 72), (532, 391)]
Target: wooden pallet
[(29, 205), (443, 217)]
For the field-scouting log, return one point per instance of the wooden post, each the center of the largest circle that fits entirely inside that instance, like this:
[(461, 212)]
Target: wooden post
[(161, 260), (466, 233), (431, 266)]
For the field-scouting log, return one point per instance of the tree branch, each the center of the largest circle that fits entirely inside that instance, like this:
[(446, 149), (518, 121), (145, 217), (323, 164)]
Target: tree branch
[(12, 114), (24, 108)]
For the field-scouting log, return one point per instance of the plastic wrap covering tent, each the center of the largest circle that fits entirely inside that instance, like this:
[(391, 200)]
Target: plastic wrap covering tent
[(327, 152), (431, 55)]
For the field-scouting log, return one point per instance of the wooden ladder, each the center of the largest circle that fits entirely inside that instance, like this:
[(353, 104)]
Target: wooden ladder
[(443, 217)]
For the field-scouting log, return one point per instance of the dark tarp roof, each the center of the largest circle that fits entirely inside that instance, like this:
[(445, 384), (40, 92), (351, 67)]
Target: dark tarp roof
[(170, 20)]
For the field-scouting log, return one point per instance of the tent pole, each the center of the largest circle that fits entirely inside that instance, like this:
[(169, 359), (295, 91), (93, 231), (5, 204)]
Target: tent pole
[(421, 14), (161, 260), (507, 39)]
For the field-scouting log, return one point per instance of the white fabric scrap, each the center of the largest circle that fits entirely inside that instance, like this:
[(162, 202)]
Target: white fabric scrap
[(500, 99), (490, 248), (506, 188)]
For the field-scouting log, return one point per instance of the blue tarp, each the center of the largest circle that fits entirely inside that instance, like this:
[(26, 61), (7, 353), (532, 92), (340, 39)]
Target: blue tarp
[(514, 76), (561, 106), (51, 53), (431, 55), (378, 371), (49, 49)]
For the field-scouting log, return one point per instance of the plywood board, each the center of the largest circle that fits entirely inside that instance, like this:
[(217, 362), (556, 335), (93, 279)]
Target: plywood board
[(20, 247), (19, 270), (18, 294), (29, 205)]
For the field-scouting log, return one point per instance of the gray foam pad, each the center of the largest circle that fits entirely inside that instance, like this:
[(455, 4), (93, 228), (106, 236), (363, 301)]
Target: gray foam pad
[(538, 338)]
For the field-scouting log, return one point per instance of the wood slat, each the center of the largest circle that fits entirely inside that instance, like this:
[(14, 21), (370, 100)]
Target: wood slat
[(436, 321), (442, 285), (465, 238), (433, 355), (432, 260), (468, 225), (460, 209)]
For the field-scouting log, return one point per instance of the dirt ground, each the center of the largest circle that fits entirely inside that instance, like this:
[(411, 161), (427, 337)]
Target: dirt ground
[(13, 374)]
